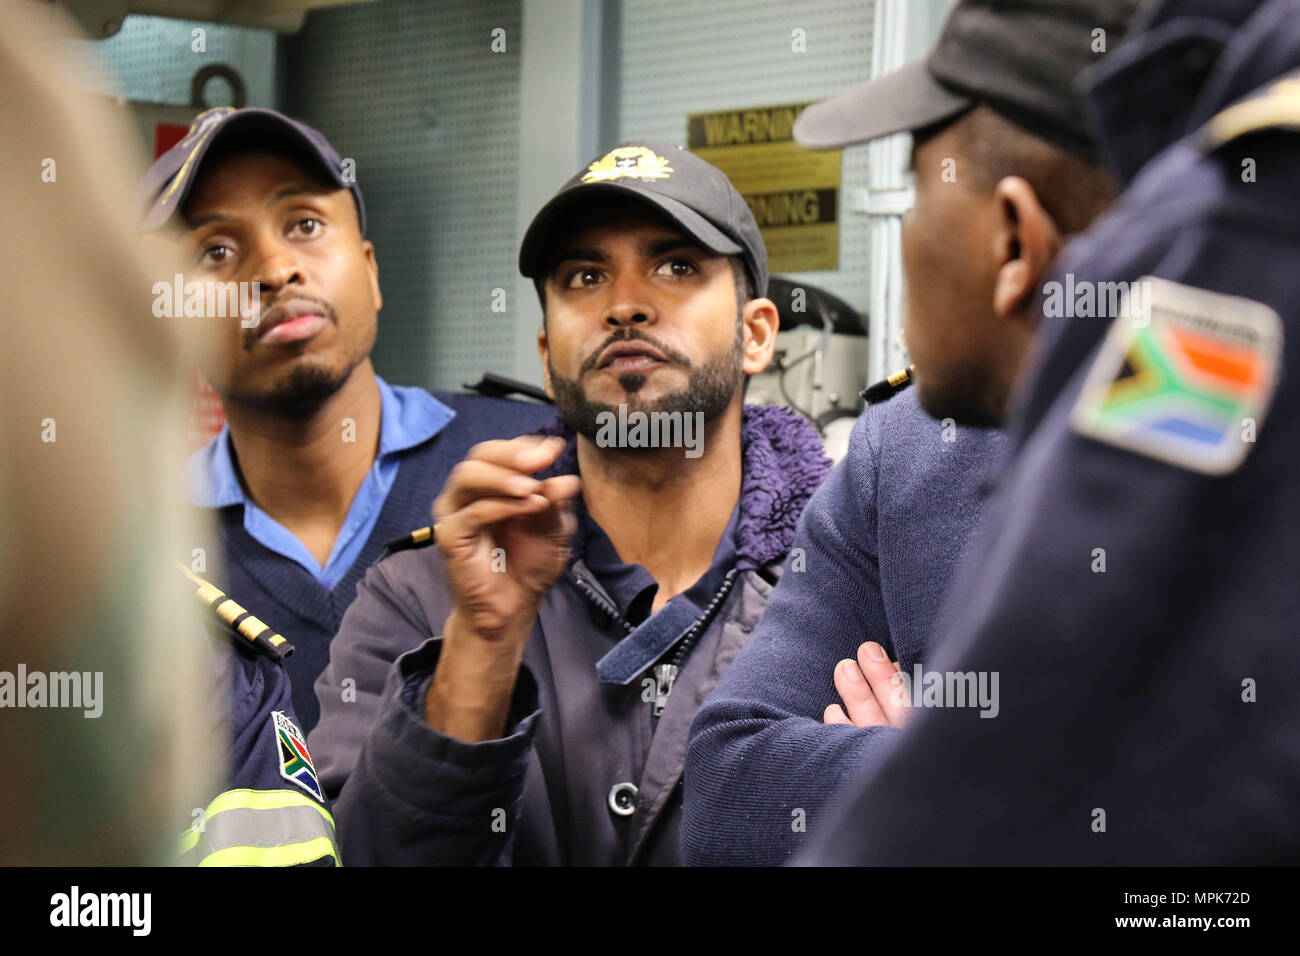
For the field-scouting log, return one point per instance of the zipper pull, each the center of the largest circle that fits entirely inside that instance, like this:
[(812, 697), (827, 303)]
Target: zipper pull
[(665, 675)]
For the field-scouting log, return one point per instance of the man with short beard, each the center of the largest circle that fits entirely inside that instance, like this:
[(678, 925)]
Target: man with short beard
[(587, 588), (321, 461)]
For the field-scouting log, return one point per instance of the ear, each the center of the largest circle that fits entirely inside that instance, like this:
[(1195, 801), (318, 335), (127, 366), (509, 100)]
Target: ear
[(368, 250), (544, 353), (762, 321), (1027, 241)]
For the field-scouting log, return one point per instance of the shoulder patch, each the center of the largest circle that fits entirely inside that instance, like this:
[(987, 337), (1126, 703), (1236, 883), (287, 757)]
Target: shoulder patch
[(295, 761), (1185, 377), (1276, 107)]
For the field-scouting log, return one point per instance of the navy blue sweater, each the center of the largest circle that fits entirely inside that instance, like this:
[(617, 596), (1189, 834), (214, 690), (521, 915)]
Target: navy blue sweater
[(874, 551), (287, 597)]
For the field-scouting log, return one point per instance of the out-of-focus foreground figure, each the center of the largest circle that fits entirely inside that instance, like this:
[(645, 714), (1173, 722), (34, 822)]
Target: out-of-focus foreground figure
[(104, 748)]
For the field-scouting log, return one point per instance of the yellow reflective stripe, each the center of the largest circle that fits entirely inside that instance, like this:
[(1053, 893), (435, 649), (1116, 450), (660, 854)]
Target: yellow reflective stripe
[(264, 800), (292, 854), (250, 800)]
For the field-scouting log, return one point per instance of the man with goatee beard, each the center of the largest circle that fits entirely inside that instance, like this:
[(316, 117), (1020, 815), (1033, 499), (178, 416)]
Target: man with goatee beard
[(321, 461), (588, 586)]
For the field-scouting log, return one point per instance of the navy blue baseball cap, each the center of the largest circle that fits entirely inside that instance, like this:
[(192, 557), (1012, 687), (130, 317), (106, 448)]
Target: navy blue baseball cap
[(1018, 57), (694, 194), (168, 181)]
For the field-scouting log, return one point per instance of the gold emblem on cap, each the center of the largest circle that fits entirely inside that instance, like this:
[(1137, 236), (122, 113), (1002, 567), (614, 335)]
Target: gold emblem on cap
[(637, 162)]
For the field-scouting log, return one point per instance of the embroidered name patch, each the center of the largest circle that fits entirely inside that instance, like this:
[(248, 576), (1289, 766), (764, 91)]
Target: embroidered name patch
[(1185, 379), (295, 761)]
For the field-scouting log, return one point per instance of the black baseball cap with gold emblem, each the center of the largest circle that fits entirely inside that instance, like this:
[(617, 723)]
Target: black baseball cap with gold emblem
[(694, 194)]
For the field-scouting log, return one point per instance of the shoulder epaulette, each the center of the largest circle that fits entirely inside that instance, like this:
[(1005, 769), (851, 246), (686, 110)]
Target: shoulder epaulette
[(419, 538), (1277, 107), (499, 386), (236, 621), (888, 387)]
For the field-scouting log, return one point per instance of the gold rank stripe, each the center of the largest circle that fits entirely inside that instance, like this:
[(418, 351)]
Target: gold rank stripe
[(252, 628), (1279, 107), (899, 377), (237, 618), (416, 539), (229, 611), (210, 594)]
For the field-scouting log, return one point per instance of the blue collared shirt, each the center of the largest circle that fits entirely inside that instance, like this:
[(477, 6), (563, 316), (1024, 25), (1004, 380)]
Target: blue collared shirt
[(408, 417)]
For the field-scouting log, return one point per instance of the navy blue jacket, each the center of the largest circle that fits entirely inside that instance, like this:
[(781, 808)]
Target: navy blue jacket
[(585, 774), (289, 599), (1149, 711), (273, 810), (874, 554)]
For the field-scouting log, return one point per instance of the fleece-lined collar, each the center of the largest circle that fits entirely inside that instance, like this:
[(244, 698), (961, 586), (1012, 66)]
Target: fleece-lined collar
[(783, 464)]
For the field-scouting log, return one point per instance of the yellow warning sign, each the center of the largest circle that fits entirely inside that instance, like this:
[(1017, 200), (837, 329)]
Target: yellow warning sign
[(794, 193)]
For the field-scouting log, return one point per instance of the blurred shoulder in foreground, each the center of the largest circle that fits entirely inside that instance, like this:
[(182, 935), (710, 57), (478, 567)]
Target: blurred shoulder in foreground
[(99, 720)]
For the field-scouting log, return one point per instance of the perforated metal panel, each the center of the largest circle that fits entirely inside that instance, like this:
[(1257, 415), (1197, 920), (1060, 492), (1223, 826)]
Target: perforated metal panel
[(153, 59), (412, 91), (689, 56)]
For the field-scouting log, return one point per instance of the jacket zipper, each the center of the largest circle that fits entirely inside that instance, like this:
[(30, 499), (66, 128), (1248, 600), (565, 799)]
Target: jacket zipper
[(666, 673)]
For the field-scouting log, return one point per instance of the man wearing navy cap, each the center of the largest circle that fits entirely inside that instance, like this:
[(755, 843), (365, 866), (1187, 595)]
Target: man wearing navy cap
[(1137, 585), (579, 616), (1006, 168), (321, 461)]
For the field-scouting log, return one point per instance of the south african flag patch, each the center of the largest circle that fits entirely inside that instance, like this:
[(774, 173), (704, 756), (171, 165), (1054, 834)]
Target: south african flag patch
[(295, 761), (1186, 379)]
